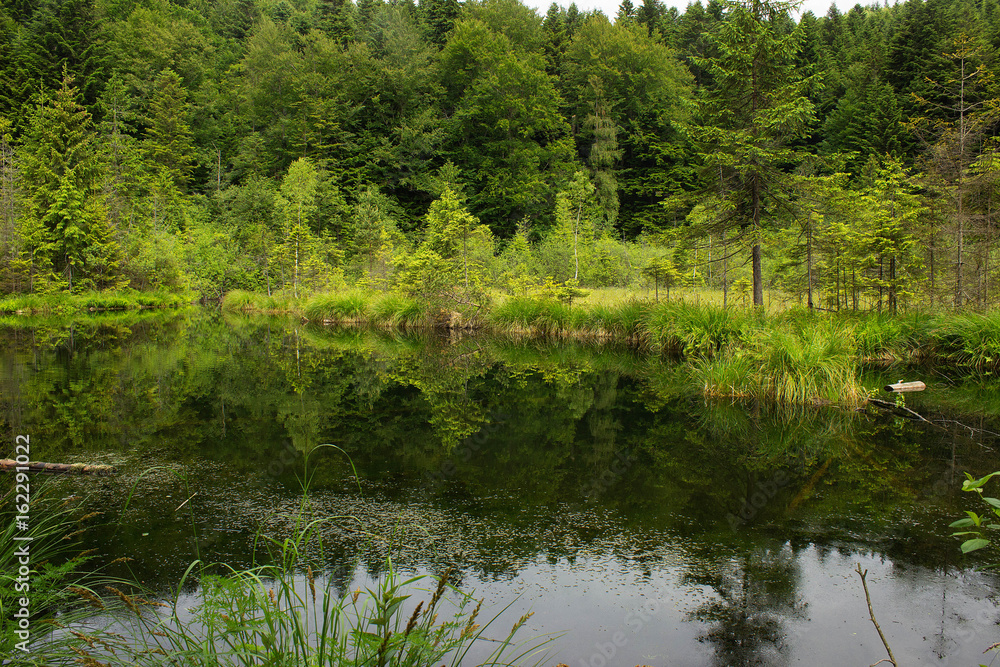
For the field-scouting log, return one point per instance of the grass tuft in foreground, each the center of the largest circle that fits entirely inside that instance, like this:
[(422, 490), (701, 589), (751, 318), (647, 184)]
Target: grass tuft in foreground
[(282, 611)]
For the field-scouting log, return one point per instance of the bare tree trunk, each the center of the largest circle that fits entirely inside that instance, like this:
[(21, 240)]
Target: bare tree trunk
[(809, 265)]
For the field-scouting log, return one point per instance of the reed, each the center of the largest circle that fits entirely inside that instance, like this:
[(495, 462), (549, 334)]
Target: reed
[(64, 595)]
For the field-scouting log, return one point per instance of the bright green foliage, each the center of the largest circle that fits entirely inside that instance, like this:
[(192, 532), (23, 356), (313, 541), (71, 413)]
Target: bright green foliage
[(893, 208), (66, 228), (575, 208), (375, 233), (201, 108), (627, 90), (663, 272), (296, 258), (982, 526), (452, 239), (505, 124)]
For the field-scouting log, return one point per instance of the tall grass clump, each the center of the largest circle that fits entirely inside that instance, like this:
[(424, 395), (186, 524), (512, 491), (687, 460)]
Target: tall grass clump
[(516, 315), (349, 308), (629, 320), (969, 340), (61, 592), (237, 301), (790, 362), (289, 614), (885, 337), (730, 375), (399, 311), (814, 362), (694, 330)]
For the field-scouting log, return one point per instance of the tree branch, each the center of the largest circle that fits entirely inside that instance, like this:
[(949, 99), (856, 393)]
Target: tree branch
[(871, 615)]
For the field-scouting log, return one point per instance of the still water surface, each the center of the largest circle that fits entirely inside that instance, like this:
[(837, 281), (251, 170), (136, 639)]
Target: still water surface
[(589, 485)]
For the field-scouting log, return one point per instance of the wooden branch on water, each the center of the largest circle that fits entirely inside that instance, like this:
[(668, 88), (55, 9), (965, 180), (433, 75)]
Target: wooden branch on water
[(886, 405), (10, 465), (871, 615)]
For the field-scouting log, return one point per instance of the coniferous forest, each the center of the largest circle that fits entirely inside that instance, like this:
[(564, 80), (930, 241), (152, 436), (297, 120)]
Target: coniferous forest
[(847, 161)]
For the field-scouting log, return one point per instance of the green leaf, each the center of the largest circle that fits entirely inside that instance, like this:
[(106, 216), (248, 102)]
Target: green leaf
[(962, 523), (972, 484), (993, 501), (972, 545)]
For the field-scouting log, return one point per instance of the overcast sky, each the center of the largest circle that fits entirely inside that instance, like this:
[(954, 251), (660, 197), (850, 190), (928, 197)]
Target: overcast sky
[(610, 7)]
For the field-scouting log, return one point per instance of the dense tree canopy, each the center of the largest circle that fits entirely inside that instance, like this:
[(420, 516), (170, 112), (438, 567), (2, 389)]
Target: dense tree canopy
[(848, 159)]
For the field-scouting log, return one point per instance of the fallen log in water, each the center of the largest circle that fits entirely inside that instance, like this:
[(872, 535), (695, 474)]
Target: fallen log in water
[(901, 410), (901, 387), (62, 468)]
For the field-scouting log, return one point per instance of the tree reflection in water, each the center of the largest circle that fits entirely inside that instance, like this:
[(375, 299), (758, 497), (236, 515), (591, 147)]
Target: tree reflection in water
[(757, 594)]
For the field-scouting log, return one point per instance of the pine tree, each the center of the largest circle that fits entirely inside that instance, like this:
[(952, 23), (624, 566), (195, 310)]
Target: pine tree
[(440, 17), (756, 107), (449, 225), (334, 18), (959, 113), (10, 237), (626, 13)]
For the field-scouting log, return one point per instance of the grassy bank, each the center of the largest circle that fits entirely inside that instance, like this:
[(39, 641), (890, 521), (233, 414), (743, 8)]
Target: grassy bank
[(61, 303)]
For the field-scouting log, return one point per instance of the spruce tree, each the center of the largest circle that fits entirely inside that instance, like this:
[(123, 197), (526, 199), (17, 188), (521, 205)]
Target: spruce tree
[(66, 229), (168, 135), (756, 107)]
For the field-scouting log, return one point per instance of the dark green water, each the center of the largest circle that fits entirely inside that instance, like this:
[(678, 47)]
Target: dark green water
[(589, 485)]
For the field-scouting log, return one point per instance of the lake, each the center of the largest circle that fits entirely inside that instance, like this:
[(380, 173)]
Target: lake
[(589, 484)]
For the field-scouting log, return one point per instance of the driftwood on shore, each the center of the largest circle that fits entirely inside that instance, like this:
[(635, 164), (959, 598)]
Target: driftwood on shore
[(57, 468)]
